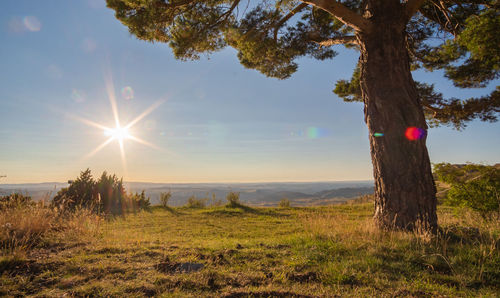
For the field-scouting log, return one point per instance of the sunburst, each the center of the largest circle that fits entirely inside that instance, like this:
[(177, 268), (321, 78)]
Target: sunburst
[(119, 133)]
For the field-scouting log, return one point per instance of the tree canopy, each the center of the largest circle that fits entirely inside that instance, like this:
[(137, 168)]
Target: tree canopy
[(459, 37)]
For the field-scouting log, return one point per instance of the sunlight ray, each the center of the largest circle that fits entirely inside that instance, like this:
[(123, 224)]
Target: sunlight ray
[(124, 162), (145, 113), (138, 140), (86, 121), (110, 88), (99, 148)]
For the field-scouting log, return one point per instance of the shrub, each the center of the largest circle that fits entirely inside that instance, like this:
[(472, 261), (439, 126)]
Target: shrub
[(81, 193), (233, 198), (193, 202), (472, 185), (105, 195), (284, 203), (15, 200), (140, 202), (112, 197), (165, 197)]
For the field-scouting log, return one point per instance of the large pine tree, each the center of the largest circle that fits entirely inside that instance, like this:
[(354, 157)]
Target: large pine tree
[(393, 37)]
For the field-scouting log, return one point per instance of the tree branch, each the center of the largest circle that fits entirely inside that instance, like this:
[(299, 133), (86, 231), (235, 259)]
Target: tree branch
[(226, 15), (412, 7), (337, 40), (287, 17), (341, 12)]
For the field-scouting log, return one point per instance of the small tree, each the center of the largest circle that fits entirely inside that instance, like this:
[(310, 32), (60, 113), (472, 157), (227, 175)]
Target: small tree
[(140, 201), (112, 194), (284, 203), (193, 202), (104, 195), (233, 199), (81, 193), (165, 197)]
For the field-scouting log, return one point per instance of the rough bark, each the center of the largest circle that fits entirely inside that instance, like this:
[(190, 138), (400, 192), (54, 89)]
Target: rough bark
[(405, 194)]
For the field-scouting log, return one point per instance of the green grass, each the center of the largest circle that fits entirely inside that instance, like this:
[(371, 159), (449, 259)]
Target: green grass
[(264, 252)]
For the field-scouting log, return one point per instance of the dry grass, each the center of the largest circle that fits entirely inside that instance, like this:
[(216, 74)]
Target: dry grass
[(25, 227)]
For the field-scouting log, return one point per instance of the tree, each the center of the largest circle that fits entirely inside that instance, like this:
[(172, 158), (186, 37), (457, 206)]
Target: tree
[(393, 37), (81, 193), (165, 198)]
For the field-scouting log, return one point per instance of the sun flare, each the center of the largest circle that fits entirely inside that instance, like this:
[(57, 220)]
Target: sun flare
[(118, 133)]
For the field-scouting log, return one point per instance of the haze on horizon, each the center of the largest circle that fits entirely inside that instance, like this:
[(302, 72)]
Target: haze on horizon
[(218, 122)]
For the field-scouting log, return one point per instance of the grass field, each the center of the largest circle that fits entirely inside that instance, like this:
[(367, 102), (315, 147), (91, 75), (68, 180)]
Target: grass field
[(259, 252)]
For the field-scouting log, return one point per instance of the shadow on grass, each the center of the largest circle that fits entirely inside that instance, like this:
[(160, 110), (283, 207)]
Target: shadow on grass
[(234, 209), (172, 210)]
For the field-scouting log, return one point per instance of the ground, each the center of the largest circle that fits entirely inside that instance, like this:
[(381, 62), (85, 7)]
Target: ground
[(260, 252)]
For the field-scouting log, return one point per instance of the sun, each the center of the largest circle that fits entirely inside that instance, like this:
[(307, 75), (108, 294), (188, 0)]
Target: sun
[(118, 133)]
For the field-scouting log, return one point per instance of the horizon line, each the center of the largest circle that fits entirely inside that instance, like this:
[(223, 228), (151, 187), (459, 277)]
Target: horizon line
[(221, 182)]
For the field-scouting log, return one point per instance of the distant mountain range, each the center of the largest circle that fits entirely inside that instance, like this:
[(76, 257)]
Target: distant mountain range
[(255, 194)]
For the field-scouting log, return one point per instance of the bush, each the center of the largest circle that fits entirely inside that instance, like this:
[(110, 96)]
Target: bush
[(193, 202), (112, 198), (15, 200), (105, 195), (81, 193), (165, 197), (140, 202), (233, 198), (284, 203), (472, 185)]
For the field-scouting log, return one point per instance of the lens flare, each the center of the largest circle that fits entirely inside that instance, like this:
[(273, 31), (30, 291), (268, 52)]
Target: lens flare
[(77, 95), (378, 134), (415, 133), (316, 132), (32, 23), (128, 93)]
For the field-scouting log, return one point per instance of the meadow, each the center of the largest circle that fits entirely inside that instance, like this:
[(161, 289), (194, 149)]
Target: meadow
[(241, 251)]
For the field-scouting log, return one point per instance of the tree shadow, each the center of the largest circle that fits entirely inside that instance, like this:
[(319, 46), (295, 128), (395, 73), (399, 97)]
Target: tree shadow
[(234, 209)]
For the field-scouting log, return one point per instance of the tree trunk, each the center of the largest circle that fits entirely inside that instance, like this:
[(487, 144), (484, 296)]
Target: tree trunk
[(405, 194)]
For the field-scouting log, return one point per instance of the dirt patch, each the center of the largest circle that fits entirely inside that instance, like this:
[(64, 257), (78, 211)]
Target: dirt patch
[(167, 266)]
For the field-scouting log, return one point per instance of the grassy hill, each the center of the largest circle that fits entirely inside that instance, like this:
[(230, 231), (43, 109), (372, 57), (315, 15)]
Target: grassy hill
[(259, 252)]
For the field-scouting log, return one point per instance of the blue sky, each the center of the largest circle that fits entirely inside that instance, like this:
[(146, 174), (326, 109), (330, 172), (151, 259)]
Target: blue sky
[(219, 122)]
